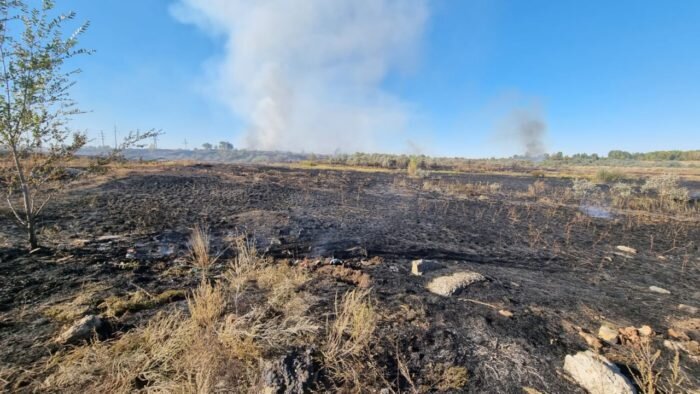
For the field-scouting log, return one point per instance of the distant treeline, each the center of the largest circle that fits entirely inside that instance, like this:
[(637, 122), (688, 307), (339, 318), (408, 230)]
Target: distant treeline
[(227, 154), (660, 155)]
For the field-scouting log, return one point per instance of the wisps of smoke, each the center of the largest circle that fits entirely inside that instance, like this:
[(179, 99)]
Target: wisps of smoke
[(528, 128), (307, 75)]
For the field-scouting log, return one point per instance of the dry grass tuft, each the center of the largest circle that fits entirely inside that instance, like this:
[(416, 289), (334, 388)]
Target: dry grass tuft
[(206, 304), (206, 349), (447, 377), (346, 348), (199, 249), (648, 375)]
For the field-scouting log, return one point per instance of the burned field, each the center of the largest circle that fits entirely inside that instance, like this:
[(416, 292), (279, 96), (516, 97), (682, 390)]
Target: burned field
[(305, 283)]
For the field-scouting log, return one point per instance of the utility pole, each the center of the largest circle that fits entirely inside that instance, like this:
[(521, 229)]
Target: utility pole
[(185, 143), (115, 137), (155, 142), (102, 137)]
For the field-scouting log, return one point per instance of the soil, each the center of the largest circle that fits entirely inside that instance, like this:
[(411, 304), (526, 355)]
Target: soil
[(554, 267)]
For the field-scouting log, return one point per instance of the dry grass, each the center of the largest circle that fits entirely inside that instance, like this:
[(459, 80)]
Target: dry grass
[(206, 304), (345, 350), (461, 189), (447, 377), (140, 300), (199, 249), (206, 347), (648, 375)]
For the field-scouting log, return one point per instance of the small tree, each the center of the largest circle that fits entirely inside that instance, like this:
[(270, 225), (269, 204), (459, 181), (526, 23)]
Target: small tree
[(207, 146), (34, 102), (223, 145)]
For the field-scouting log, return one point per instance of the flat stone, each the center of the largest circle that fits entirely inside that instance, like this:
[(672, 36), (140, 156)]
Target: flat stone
[(659, 290), (505, 313), (626, 249), (82, 330), (607, 334), (596, 374), (421, 266), (450, 284)]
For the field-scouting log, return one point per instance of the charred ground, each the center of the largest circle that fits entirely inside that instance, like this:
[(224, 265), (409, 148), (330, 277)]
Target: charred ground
[(553, 266)]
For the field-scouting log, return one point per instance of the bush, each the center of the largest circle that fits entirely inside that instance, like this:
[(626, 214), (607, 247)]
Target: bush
[(607, 176)]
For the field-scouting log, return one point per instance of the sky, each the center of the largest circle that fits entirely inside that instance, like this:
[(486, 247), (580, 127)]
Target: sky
[(446, 78)]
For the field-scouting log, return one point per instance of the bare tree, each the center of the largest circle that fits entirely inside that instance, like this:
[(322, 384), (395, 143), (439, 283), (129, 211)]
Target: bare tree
[(35, 105)]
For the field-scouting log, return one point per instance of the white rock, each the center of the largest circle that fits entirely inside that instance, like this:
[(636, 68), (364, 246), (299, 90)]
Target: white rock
[(659, 290), (626, 249), (450, 284), (607, 334), (81, 330), (419, 267), (596, 374)]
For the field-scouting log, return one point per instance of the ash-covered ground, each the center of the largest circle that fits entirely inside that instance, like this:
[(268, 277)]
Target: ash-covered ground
[(553, 269)]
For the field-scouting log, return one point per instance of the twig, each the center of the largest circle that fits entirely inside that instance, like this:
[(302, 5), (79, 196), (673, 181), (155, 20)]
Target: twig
[(480, 303)]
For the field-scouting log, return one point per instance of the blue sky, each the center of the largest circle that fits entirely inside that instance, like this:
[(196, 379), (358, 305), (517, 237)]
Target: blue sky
[(602, 75)]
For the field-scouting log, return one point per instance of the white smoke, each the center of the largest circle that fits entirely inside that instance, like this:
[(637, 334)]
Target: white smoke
[(307, 75)]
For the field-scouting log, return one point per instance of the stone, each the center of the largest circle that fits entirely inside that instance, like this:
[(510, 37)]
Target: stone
[(591, 340), (421, 266), (629, 336), (505, 313), (645, 331), (596, 374), (290, 374), (450, 284), (659, 290), (626, 249), (607, 334), (688, 309), (83, 330)]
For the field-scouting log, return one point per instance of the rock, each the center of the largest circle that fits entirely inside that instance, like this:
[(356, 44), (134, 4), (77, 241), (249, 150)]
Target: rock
[(607, 334), (419, 267), (450, 284), (659, 290), (289, 374), (596, 374), (688, 309), (530, 390), (505, 313), (629, 336), (83, 330), (105, 238), (645, 331), (626, 249), (591, 340)]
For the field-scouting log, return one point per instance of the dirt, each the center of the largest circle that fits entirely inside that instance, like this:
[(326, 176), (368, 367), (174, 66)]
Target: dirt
[(554, 267)]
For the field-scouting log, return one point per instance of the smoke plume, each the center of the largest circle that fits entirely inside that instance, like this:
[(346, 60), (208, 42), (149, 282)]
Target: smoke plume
[(307, 75), (529, 129)]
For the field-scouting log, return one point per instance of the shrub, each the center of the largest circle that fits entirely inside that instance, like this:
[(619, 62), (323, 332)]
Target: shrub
[(412, 167), (607, 176)]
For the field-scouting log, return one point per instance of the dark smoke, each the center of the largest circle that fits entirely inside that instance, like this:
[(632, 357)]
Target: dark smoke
[(526, 129), (532, 132)]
